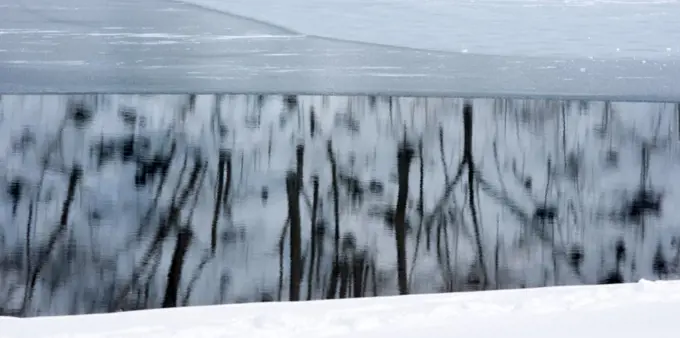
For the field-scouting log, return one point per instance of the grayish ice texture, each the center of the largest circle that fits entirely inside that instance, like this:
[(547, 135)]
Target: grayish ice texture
[(548, 28), (162, 46)]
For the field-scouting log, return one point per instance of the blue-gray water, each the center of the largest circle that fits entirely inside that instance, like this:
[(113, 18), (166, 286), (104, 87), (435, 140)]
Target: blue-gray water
[(101, 197)]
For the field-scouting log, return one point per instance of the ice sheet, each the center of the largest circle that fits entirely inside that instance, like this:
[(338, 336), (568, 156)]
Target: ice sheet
[(163, 46)]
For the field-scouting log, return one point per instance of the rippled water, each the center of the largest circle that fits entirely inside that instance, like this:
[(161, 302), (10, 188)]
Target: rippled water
[(116, 202)]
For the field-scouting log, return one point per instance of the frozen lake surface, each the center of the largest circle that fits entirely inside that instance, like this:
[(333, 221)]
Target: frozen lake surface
[(166, 46), (552, 28)]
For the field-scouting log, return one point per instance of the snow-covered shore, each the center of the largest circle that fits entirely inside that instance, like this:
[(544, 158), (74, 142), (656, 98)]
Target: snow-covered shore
[(626, 311)]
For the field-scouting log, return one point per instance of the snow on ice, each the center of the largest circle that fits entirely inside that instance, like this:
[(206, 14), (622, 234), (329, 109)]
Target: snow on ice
[(553, 28)]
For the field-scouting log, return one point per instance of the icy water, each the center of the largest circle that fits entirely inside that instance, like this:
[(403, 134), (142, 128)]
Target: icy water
[(602, 29), (118, 202), (161, 46)]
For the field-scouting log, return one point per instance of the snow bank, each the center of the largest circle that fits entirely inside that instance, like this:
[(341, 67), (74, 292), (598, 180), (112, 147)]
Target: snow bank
[(628, 310), (577, 28)]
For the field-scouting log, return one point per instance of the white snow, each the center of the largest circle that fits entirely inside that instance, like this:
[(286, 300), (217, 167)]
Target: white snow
[(623, 311), (562, 28)]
